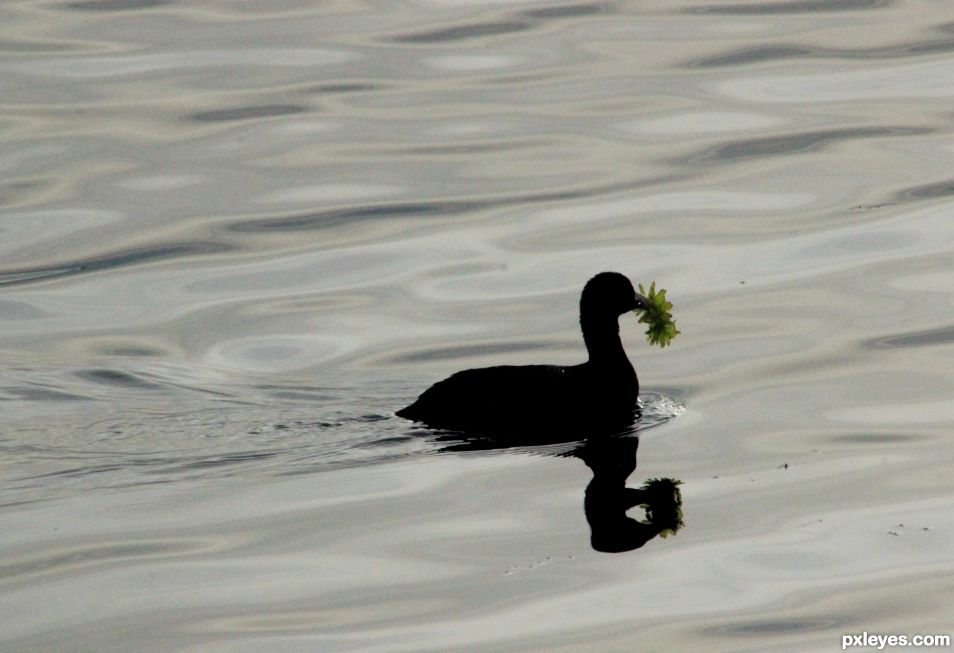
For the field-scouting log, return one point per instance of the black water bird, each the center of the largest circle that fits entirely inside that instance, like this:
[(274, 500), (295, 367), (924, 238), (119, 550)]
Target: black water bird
[(597, 396)]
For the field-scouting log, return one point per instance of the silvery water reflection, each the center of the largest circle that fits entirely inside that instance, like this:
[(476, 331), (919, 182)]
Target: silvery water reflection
[(236, 235), (607, 499)]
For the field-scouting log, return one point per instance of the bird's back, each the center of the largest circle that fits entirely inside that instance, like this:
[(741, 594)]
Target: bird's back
[(524, 398)]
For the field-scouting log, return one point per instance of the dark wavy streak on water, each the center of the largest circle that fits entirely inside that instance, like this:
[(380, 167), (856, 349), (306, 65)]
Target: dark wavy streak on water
[(112, 261)]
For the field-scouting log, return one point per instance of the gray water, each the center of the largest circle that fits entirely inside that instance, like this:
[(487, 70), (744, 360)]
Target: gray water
[(236, 236)]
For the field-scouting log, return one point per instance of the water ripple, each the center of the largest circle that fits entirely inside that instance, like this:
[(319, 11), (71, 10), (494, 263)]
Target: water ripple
[(566, 11), (116, 5), (344, 87), (922, 80), (461, 32), (339, 217), (111, 261), (34, 393), (523, 21), (925, 338), (791, 7), (152, 64), (782, 51), (8, 45), (248, 113), (117, 378), (30, 566), (466, 351), (936, 190), (799, 143), (371, 212)]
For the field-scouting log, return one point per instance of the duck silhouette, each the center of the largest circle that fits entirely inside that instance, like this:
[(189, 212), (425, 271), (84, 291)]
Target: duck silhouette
[(607, 499), (598, 396)]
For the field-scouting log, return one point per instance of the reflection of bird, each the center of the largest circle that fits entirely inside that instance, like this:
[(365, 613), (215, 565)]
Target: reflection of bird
[(596, 396), (607, 498)]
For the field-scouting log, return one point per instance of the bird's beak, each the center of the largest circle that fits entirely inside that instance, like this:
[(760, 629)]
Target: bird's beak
[(641, 303)]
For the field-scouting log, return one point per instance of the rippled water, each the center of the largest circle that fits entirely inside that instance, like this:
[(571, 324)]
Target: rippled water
[(237, 235)]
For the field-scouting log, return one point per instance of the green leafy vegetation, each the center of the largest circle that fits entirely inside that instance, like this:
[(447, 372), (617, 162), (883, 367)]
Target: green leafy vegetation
[(662, 328), (664, 509)]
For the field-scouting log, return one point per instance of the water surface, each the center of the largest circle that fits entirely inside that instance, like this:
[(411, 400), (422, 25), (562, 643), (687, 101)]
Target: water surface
[(236, 236)]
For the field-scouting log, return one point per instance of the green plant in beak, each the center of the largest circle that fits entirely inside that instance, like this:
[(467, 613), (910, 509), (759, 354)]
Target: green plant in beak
[(655, 312)]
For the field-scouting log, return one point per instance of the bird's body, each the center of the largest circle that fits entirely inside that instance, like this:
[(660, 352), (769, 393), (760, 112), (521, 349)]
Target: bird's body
[(525, 397), (598, 395)]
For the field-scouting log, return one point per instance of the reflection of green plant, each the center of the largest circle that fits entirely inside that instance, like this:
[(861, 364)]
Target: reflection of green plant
[(664, 509), (662, 328)]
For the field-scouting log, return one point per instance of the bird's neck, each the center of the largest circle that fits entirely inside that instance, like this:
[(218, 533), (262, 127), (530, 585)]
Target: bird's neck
[(601, 336)]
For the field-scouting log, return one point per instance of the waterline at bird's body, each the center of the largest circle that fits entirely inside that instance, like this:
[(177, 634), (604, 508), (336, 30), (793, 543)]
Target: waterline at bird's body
[(598, 395)]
